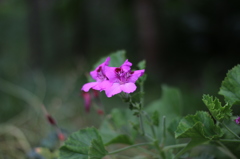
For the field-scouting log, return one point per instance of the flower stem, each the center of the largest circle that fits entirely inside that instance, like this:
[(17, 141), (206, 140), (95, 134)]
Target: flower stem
[(154, 139), (230, 131), (161, 153), (141, 122), (174, 146), (142, 91), (229, 140), (226, 150), (150, 123), (129, 147), (163, 130)]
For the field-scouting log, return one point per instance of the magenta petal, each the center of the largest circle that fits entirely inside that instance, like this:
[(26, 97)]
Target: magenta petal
[(100, 68), (126, 66), (94, 74), (107, 61), (136, 74), (87, 86), (104, 85), (110, 73), (128, 87), (114, 89), (96, 87)]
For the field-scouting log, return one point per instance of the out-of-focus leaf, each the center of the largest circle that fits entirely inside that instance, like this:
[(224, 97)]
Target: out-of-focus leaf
[(136, 97), (200, 125), (173, 125), (84, 144), (112, 136), (117, 59), (118, 117), (205, 156), (230, 87), (135, 126), (169, 104), (218, 111), (155, 118), (190, 145), (142, 64)]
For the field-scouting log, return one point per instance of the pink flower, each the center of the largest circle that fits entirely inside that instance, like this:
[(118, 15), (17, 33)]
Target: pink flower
[(123, 79), (99, 75)]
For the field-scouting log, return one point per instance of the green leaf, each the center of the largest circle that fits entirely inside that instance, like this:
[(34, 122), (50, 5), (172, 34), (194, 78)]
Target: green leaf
[(169, 104), (215, 107), (230, 87), (155, 118), (173, 126), (97, 150), (111, 136), (200, 125), (142, 64), (120, 139), (84, 144), (118, 116), (190, 145), (135, 126)]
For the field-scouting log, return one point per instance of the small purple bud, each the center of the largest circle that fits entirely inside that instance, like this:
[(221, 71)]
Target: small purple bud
[(237, 121), (87, 100), (51, 120)]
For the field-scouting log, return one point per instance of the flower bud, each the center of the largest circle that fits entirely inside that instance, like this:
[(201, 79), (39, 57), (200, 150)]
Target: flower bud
[(237, 121)]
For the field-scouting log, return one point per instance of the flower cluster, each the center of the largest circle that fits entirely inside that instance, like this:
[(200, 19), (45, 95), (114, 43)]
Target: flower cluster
[(113, 80)]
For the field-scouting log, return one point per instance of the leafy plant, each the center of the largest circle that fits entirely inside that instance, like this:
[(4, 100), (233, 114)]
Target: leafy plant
[(201, 128)]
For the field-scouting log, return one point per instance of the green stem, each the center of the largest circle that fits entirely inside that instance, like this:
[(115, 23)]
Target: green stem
[(229, 140), (142, 90), (129, 147), (150, 123), (161, 153), (149, 136), (227, 151), (156, 142), (18, 134), (173, 146), (146, 151), (230, 131), (163, 130), (141, 122)]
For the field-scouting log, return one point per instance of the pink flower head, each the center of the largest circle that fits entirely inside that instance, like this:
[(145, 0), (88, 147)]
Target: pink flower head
[(123, 79), (99, 75), (114, 80), (237, 121)]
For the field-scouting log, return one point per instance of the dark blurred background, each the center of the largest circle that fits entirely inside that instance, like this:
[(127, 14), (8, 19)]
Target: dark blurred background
[(47, 47), (178, 38)]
